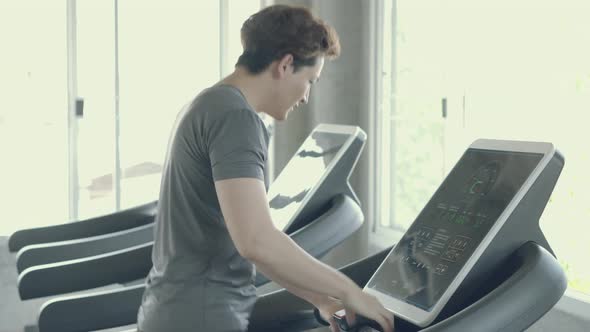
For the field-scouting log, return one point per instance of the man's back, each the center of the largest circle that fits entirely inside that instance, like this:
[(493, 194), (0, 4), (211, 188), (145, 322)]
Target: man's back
[(199, 281)]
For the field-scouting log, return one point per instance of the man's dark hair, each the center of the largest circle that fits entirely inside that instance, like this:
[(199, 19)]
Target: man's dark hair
[(279, 30)]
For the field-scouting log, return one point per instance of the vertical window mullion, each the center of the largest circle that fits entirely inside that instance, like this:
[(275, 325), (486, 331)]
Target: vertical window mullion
[(376, 119), (223, 37), (73, 190), (117, 166)]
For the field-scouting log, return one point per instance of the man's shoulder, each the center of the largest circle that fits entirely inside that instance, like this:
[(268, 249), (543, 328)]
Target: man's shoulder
[(223, 110), (216, 103), (223, 97)]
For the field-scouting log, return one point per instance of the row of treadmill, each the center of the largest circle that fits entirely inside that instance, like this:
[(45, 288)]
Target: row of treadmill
[(474, 259)]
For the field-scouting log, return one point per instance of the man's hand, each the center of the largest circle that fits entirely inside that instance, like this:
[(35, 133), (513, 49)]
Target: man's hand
[(327, 307), (367, 305)]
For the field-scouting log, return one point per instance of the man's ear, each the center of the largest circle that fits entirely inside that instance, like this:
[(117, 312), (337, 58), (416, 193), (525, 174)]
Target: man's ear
[(284, 66)]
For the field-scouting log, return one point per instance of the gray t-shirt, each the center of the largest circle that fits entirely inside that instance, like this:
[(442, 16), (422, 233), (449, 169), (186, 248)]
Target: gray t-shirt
[(198, 281)]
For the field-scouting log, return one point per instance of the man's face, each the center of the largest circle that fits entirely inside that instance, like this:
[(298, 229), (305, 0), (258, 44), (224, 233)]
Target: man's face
[(295, 88)]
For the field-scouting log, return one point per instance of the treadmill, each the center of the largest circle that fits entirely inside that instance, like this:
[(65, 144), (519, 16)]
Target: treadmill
[(311, 200), (504, 278)]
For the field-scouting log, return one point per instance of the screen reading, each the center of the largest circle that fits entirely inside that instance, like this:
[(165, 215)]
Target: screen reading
[(444, 235), (302, 174)]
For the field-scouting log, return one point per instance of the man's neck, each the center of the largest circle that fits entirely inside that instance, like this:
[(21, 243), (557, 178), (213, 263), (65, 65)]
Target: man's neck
[(256, 88)]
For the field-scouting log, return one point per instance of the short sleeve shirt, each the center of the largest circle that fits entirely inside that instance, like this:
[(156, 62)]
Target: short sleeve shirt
[(198, 281)]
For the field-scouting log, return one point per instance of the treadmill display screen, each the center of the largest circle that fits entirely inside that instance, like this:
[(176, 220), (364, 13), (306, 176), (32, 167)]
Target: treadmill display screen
[(456, 219), (302, 174)]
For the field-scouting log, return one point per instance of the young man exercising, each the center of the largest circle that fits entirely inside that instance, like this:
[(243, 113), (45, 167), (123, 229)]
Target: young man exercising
[(213, 223)]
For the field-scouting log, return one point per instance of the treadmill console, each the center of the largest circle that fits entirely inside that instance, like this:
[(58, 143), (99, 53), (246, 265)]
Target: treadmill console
[(452, 225), (306, 170)]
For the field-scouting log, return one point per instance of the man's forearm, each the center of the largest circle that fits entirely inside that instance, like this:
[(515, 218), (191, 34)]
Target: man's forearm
[(282, 260), (314, 298)]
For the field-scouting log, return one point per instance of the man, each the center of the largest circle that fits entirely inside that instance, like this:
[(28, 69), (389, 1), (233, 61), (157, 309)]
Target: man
[(213, 222)]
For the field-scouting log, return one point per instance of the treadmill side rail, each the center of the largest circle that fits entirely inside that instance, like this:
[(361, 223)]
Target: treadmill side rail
[(47, 253), (86, 312), (120, 266), (114, 222)]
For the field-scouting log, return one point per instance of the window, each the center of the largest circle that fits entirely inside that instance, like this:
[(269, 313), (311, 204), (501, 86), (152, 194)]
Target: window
[(134, 64), (162, 66), (505, 70), (168, 52), (33, 113)]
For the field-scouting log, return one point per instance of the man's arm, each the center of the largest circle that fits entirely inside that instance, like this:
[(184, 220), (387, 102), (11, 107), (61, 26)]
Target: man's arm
[(245, 209), (311, 297)]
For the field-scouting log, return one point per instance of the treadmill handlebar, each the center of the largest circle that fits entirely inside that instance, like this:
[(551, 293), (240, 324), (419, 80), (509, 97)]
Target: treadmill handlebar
[(360, 322)]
